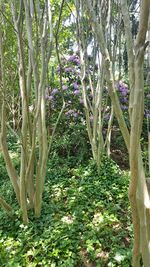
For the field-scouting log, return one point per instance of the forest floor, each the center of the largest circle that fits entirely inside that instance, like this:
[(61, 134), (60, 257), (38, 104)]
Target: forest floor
[(85, 219)]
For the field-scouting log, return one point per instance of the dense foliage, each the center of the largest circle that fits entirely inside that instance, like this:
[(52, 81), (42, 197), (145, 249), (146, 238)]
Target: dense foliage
[(74, 133), (85, 219)]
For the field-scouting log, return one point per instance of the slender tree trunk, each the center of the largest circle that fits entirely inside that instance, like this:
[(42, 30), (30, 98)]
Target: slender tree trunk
[(5, 206), (138, 193), (97, 29), (9, 165), (149, 152)]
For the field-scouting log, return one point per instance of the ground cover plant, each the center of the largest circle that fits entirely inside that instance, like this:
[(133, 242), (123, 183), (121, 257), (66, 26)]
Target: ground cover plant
[(85, 220)]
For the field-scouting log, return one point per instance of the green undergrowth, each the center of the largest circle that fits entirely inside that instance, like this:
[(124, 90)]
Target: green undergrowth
[(85, 220)]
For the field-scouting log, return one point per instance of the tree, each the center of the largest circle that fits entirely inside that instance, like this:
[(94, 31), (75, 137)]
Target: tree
[(138, 193), (93, 76), (32, 23)]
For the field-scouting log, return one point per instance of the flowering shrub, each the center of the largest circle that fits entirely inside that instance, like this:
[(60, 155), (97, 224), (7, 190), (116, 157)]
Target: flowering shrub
[(71, 89), (123, 92), (124, 98), (72, 137)]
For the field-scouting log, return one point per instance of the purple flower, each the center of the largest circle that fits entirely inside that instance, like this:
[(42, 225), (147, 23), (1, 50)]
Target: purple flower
[(123, 107), (72, 113), (72, 57), (54, 91), (69, 112), (124, 100), (122, 88), (78, 71), (148, 96), (148, 115), (69, 69), (50, 97), (75, 114), (75, 59), (75, 86), (76, 92), (124, 92), (46, 97), (81, 101), (64, 87)]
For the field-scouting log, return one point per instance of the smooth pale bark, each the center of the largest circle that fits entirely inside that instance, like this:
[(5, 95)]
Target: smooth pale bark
[(130, 51), (39, 83), (24, 128), (9, 165), (92, 108), (42, 131), (97, 29), (95, 130), (108, 135), (149, 151), (42, 53), (34, 56), (94, 127), (138, 193), (5, 206), (29, 185), (138, 183)]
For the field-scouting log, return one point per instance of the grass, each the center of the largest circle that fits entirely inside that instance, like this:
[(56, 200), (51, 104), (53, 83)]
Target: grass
[(85, 220)]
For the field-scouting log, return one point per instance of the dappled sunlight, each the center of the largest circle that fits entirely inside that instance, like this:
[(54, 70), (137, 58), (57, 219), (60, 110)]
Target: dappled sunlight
[(97, 219), (102, 255), (13, 155), (80, 222), (56, 192), (68, 219), (74, 133), (119, 258)]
